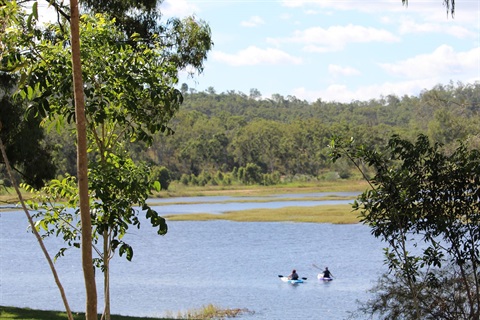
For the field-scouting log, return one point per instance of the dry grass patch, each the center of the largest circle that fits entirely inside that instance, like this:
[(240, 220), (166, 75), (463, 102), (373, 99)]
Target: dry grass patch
[(178, 190), (337, 214)]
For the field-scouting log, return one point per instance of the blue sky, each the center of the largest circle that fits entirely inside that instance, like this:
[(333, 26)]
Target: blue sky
[(335, 50)]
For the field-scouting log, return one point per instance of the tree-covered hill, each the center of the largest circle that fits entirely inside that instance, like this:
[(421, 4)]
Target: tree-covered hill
[(285, 136), (232, 137)]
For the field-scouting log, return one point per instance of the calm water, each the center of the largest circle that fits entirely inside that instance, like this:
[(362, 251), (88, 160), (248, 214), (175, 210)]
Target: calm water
[(228, 264)]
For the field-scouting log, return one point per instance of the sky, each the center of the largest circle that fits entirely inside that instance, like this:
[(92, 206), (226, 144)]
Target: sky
[(334, 50)]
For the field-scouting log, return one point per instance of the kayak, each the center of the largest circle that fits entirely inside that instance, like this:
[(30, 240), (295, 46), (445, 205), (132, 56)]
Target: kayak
[(322, 278), (285, 279)]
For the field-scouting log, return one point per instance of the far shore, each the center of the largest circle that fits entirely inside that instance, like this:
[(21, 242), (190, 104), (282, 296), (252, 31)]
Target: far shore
[(337, 214)]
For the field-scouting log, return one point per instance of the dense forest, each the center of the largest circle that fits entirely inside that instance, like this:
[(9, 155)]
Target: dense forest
[(222, 138)]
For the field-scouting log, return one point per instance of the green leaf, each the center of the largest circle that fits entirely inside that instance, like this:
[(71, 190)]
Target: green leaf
[(157, 186), (35, 10)]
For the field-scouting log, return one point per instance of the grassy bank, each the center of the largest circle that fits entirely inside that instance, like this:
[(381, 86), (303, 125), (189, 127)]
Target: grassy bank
[(179, 190), (206, 312), (338, 214), (32, 314)]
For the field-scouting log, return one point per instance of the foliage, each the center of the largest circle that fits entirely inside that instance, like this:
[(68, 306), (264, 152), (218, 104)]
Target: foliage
[(443, 299), (423, 197), (227, 131), (129, 96), (162, 175), (24, 139)]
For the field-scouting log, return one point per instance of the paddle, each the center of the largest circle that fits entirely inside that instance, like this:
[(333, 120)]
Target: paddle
[(315, 266), (280, 276)]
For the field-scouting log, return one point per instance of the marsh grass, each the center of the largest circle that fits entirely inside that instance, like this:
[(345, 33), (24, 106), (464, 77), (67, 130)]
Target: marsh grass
[(209, 312), (337, 214), (178, 190)]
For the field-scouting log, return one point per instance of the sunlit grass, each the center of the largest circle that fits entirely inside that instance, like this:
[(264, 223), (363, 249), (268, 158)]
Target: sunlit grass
[(337, 214), (178, 190), (210, 312)]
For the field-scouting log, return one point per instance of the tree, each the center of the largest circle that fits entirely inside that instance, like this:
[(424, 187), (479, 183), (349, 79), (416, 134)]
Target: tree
[(163, 176), (422, 197), (129, 96)]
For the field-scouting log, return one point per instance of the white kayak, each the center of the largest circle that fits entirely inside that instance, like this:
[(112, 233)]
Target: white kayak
[(286, 279), (322, 278)]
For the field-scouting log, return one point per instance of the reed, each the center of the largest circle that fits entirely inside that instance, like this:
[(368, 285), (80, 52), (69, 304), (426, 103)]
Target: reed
[(210, 311)]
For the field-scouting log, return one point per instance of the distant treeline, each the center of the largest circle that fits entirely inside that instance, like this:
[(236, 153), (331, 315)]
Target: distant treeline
[(222, 138)]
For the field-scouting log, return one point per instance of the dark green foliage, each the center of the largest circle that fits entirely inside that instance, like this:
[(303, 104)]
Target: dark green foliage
[(162, 175), (26, 148), (133, 16), (425, 204)]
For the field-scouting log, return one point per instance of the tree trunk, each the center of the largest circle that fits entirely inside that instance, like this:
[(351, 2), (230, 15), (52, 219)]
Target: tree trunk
[(106, 274), (34, 230), (82, 166)]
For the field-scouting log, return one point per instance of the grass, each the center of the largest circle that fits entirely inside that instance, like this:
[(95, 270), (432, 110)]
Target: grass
[(205, 313), (212, 312), (179, 190), (337, 214), (32, 314)]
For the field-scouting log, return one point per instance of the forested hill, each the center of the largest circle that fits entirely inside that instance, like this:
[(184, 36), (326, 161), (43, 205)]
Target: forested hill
[(228, 137), (460, 100)]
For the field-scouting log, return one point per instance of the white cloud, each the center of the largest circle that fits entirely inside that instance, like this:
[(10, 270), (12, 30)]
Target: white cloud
[(335, 38), (336, 70), (408, 25), (444, 61), (254, 21), (255, 56), (177, 8)]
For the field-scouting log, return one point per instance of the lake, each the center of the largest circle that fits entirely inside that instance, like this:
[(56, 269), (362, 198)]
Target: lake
[(228, 264)]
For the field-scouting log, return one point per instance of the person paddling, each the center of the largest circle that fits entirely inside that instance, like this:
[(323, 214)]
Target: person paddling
[(293, 275), (327, 273)]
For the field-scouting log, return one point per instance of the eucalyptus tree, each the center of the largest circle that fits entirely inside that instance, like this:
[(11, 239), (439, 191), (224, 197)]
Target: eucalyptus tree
[(19, 56), (129, 96), (258, 143), (422, 197)]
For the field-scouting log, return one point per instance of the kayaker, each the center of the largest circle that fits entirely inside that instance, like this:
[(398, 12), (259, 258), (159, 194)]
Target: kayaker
[(293, 275), (327, 273)]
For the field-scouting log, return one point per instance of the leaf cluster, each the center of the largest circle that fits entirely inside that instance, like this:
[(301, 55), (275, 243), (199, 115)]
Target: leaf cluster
[(425, 205)]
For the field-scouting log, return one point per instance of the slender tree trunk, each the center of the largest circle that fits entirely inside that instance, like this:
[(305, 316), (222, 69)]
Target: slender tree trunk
[(106, 274), (34, 230), (82, 164)]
